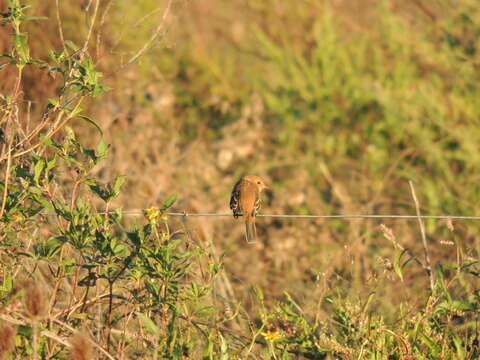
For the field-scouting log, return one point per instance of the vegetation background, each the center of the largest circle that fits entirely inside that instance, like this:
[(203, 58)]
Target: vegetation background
[(337, 104)]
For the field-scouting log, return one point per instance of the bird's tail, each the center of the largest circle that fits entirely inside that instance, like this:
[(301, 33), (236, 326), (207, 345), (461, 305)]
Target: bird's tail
[(250, 230)]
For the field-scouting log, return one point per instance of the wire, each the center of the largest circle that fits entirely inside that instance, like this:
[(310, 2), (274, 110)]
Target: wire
[(338, 216)]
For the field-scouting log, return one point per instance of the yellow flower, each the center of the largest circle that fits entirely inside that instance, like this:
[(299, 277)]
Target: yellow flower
[(272, 335), (17, 217), (152, 214)]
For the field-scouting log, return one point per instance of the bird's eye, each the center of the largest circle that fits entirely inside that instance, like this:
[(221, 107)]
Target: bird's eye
[(258, 182)]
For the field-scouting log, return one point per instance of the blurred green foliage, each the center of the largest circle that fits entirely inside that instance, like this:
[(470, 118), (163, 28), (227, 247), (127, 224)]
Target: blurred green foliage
[(396, 93), (368, 103)]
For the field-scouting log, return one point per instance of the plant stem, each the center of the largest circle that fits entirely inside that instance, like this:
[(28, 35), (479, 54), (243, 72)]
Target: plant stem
[(426, 265)]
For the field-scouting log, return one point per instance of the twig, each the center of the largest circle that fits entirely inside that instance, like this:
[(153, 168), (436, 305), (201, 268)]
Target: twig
[(90, 29), (100, 27), (59, 23), (54, 337), (155, 34), (70, 310), (55, 128), (427, 265), (97, 345)]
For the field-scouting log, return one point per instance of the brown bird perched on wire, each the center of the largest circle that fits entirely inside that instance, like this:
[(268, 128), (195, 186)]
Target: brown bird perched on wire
[(245, 201)]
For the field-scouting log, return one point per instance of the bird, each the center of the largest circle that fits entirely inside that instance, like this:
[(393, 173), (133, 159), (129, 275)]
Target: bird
[(245, 200)]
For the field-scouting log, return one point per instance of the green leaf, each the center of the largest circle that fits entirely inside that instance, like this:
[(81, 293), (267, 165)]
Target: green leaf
[(53, 101), (50, 165), (292, 302), (118, 184), (459, 347), (397, 265), (120, 250), (7, 283), (21, 46), (97, 90), (151, 288), (23, 173), (53, 245), (434, 347), (49, 141), (169, 202), (87, 119), (26, 18), (257, 290), (71, 45), (454, 305), (98, 189), (25, 331), (148, 323), (39, 166), (82, 70), (90, 279), (80, 316), (466, 268), (118, 215), (26, 254), (90, 153), (75, 112), (463, 305), (223, 349), (102, 148), (41, 200)]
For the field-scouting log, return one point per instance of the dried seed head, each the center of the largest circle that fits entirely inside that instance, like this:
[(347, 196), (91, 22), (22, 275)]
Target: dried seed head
[(81, 347), (7, 340), (388, 233), (447, 242), (385, 262), (35, 300), (450, 224)]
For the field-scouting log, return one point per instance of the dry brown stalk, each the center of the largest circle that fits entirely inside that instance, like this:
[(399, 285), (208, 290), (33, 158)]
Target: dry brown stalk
[(427, 266), (35, 301), (7, 340), (81, 347)]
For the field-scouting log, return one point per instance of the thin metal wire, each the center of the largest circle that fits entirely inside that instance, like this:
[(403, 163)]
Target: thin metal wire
[(337, 216)]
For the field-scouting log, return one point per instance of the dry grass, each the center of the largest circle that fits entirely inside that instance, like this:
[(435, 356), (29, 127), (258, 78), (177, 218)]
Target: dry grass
[(81, 347), (145, 121), (36, 301), (7, 340)]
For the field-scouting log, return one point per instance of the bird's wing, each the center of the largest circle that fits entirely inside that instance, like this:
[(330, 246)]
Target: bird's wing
[(234, 204)]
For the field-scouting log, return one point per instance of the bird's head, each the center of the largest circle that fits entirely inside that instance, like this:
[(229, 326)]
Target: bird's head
[(257, 180)]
